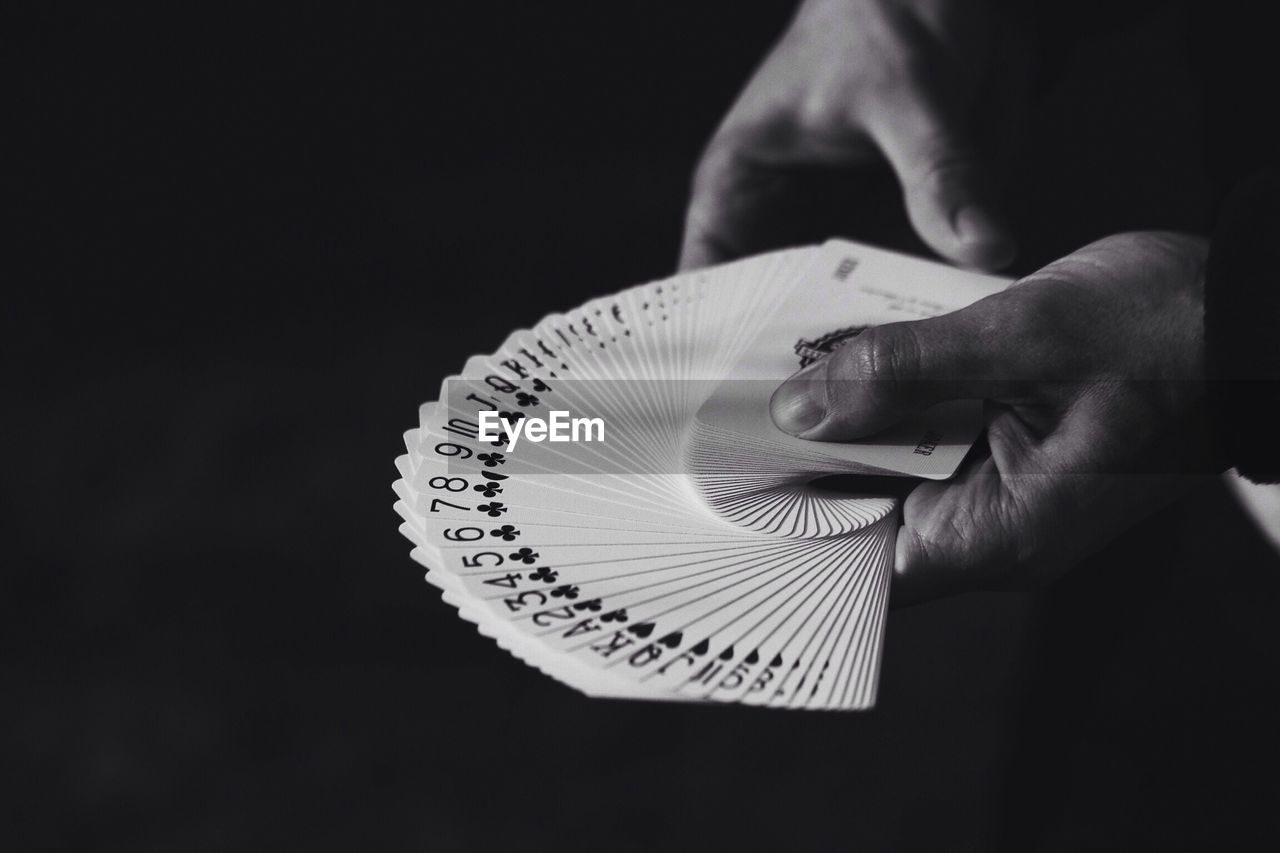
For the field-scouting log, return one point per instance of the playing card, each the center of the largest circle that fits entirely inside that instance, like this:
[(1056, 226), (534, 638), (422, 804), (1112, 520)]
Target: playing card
[(688, 553), (846, 289)]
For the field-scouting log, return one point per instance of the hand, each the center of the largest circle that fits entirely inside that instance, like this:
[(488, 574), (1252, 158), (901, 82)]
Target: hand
[(850, 81), (1093, 372)]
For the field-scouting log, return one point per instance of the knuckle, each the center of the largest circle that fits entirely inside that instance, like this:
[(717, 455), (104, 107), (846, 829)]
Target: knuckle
[(854, 361), (824, 112), (877, 365), (950, 542), (893, 353), (979, 552)]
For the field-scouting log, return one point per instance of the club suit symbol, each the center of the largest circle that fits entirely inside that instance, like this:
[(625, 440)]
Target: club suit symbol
[(506, 532), (544, 574)]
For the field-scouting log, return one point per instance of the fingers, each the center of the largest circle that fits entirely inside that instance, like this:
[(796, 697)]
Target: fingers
[(948, 194), (761, 184), (892, 370), (926, 568), (959, 536), (737, 199), (943, 549), (839, 92), (726, 201)]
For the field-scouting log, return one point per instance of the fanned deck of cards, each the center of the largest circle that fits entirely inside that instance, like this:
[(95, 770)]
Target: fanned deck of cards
[(684, 552)]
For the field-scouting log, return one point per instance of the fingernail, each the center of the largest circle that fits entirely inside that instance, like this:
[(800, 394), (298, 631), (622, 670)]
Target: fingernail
[(800, 403)]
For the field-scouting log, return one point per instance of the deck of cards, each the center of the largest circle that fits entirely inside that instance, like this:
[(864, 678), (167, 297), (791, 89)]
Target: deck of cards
[(607, 497)]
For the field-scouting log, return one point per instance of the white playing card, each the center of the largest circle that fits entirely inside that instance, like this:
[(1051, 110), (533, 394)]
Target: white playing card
[(687, 555), (847, 288)]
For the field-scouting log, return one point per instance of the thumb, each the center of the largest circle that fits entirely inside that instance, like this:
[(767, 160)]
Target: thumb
[(890, 371), (948, 194)]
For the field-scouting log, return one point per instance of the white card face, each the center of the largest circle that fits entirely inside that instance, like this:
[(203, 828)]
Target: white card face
[(680, 558), (847, 288)]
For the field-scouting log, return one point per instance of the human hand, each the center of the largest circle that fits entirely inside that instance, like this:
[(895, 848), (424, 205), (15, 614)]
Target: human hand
[(1093, 372), (852, 81)]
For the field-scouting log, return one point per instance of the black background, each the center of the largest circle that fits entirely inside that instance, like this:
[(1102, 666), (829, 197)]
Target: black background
[(247, 245)]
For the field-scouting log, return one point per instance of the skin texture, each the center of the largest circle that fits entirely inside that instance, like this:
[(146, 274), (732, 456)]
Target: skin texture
[(852, 83), (1091, 368), (1093, 372)]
